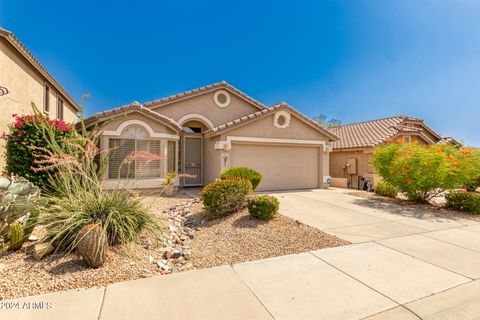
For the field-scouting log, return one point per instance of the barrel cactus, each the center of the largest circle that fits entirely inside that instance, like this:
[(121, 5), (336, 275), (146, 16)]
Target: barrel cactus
[(92, 244), (16, 236)]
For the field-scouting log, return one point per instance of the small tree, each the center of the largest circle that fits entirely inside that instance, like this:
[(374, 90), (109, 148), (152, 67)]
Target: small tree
[(423, 172), (328, 123), (25, 134)]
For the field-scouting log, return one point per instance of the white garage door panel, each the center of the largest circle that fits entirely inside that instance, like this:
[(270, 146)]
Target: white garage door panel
[(282, 167)]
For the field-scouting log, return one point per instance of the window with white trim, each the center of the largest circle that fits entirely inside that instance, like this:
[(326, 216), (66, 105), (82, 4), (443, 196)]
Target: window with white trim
[(46, 101), (133, 140), (59, 108), (171, 152)]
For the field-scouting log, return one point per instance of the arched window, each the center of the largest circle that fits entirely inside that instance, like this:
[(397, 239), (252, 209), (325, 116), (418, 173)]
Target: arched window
[(134, 140)]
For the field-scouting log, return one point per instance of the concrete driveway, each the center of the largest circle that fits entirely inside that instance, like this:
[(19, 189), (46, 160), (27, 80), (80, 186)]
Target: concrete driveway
[(403, 264), (358, 219)]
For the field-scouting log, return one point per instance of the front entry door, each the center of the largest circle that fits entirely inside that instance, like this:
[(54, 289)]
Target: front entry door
[(193, 160)]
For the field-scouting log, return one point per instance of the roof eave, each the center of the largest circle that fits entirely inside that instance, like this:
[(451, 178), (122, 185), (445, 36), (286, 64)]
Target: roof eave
[(22, 49)]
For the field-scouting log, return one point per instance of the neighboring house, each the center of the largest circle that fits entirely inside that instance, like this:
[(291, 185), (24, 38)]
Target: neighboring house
[(351, 155), (203, 131), (24, 80)]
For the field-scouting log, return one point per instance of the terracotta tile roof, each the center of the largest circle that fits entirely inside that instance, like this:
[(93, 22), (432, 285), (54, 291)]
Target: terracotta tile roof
[(374, 132), (222, 84), (449, 140), (134, 106), (269, 110), (22, 49)]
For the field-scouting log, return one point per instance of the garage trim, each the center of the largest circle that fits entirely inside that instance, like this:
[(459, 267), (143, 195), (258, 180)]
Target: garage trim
[(276, 140)]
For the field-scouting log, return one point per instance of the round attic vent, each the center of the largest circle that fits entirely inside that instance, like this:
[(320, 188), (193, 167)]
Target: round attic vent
[(281, 119), (221, 98)]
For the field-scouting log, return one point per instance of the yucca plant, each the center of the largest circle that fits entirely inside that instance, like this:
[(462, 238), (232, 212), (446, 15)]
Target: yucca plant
[(78, 198)]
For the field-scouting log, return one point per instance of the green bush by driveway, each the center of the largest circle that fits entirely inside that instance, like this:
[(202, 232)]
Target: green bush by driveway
[(243, 172), (225, 196), (263, 207), (468, 202), (385, 189)]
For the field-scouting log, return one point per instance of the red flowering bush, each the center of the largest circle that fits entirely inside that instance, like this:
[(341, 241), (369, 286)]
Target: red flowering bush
[(225, 196), (27, 135), (423, 172)]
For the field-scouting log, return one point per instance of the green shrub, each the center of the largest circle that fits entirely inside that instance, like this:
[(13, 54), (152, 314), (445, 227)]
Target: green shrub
[(122, 217), (468, 202), (78, 198), (225, 196), (263, 207), (244, 173), (473, 184), (423, 172), (25, 134), (385, 189)]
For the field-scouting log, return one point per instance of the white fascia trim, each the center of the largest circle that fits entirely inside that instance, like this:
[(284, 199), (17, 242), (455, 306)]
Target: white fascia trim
[(275, 140), (147, 127), (195, 116)]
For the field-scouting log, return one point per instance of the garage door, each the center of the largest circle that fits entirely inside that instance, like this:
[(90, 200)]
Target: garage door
[(283, 167)]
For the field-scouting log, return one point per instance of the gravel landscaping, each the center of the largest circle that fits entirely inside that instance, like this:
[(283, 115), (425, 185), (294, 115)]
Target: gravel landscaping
[(188, 241), (238, 238)]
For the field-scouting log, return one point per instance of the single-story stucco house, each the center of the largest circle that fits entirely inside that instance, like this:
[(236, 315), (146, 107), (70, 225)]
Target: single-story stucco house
[(203, 131), (351, 155)]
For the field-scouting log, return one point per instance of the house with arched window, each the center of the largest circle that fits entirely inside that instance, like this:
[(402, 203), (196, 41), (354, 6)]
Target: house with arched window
[(204, 131)]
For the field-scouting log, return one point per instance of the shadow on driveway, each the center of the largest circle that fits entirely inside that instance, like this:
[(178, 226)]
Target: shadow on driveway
[(409, 210)]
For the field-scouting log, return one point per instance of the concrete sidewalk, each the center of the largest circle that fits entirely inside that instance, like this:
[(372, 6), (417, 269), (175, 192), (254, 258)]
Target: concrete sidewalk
[(350, 282), (404, 265)]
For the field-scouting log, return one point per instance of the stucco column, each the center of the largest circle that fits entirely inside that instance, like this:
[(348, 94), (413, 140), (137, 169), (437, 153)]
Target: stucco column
[(164, 161), (326, 163)]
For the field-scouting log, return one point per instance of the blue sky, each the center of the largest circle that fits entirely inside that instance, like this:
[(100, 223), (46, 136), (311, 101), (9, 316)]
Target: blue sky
[(352, 60)]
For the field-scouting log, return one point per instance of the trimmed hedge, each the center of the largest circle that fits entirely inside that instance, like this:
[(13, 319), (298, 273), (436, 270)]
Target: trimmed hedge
[(263, 207), (225, 197), (468, 202), (244, 173), (385, 189)]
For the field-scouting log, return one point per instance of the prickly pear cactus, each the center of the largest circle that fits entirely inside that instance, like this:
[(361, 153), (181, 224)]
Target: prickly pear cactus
[(92, 244), (19, 201), (16, 236)]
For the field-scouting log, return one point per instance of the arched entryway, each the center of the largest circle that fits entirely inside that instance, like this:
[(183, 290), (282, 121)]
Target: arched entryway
[(192, 150)]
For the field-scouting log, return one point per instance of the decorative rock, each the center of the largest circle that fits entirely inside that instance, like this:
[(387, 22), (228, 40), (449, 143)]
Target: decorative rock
[(176, 254), (163, 266), (32, 238), (150, 259), (167, 254), (145, 273), (41, 250)]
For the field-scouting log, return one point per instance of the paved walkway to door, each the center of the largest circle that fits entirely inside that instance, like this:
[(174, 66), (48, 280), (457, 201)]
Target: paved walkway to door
[(402, 264)]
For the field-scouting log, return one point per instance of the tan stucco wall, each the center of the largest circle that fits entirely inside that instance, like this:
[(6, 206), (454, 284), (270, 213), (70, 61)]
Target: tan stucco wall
[(338, 160), (154, 124), (264, 128), (25, 85), (204, 105), (211, 160)]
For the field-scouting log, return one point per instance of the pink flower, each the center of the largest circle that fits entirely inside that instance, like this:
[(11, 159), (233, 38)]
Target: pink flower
[(20, 134), (18, 124), (14, 115)]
